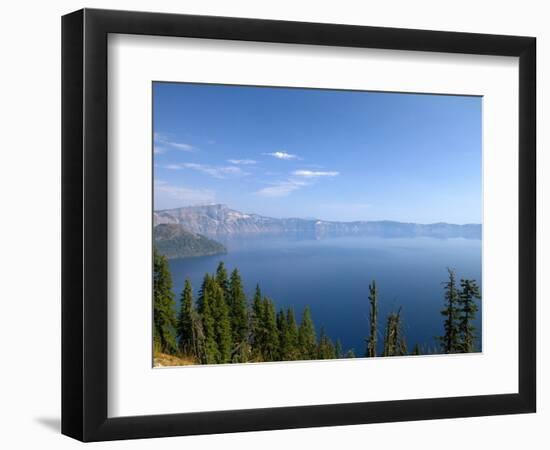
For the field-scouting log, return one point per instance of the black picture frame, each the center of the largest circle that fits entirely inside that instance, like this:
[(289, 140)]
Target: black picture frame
[(84, 224)]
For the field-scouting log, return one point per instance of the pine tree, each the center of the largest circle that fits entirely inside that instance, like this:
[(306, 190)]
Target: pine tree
[(256, 331), (373, 319), (402, 345), (164, 316), (394, 340), (338, 352), (450, 339), (185, 328), (350, 354), (216, 325), (416, 350), (288, 336), (468, 308), (199, 349), (270, 350), (221, 279), (206, 284), (211, 354), (390, 340), (307, 337), (292, 346), (239, 317), (283, 335), (325, 348), (222, 327)]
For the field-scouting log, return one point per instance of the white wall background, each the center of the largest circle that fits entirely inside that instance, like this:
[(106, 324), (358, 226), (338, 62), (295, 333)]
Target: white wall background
[(30, 230)]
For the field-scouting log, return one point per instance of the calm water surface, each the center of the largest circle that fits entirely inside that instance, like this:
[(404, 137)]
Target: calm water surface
[(332, 277)]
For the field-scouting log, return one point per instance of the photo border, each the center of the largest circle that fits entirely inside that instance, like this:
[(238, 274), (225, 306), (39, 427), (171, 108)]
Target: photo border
[(84, 224), (199, 83)]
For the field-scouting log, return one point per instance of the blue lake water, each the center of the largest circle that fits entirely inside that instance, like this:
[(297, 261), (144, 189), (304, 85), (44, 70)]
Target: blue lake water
[(332, 277)]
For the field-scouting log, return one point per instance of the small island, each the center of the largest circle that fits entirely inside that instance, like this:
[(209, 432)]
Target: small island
[(174, 241)]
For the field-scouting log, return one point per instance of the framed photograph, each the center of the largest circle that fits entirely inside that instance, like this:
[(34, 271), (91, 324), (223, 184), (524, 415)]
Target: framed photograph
[(273, 224)]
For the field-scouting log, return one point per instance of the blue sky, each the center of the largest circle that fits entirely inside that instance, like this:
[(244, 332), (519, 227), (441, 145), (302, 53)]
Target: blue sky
[(332, 155)]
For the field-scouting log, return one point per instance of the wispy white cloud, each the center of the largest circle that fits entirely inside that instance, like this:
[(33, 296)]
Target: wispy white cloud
[(314, 173), (214, 171), (282, 155), (158, 150), (183, 194), (170, 166), (297, 180), (165, 141), (181, 146), (281, 188), (244, 162)]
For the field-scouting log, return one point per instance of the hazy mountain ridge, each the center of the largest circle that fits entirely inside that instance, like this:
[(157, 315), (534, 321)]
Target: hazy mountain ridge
[(219, 220)]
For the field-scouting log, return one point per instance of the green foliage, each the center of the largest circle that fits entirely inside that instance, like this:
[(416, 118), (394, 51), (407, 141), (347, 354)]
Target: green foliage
[(450, 342), (220, 313), (222, 280), (416, 350), (290, 346), (205, 286), (307, 337), (173, 241), (256, 331), (270, 348), (211, 353), (190, 333), (325, 348), (283, 335), (394, 340), (373, 319), (468, 308), (338, 352), (215, 322), (239, 318), (164, 316), (185, 320)]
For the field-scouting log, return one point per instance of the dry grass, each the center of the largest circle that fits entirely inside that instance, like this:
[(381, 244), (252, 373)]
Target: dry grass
[(164, 360)]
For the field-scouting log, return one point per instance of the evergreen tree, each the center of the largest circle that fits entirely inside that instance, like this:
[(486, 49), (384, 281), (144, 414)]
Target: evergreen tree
[(307, 337), (283, 335), (402, 349), (338, 352), (325, 348), (256, 330), (292, 346), (205, 286), (416, 350), (373, 319), (216, 326), (450, 339), (164, 316), (211, 354), (222, 324), (185, 328), (239, 317), (350, 353), (198, 338), (222, 280), (468, 308), (270, 350), (394, 341)]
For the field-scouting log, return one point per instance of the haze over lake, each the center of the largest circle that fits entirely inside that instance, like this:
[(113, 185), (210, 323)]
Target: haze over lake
[(332, 276)]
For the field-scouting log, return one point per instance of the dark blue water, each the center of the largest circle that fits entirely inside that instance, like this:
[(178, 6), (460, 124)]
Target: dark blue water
[(332, 277)]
